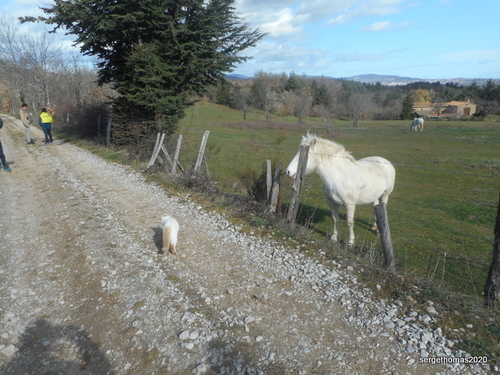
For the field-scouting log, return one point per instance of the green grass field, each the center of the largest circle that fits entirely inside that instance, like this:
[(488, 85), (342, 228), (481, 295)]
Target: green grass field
[(441, 213)]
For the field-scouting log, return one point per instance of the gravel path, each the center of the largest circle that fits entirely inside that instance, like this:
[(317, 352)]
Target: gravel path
[(84, 291)]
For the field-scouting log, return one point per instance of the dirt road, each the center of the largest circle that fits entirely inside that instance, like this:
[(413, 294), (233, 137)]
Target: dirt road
[(84, 291)]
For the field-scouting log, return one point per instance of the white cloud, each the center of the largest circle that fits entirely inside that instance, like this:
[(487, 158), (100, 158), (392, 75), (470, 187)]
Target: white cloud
[(277, 58), (339, 20), (285, 24), (378, 7), (262, 12), (365, 8), (378, 26), (385, 25), (323, 9)]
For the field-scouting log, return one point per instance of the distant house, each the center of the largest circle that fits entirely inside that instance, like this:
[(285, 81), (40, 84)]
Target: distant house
[(453, 109)]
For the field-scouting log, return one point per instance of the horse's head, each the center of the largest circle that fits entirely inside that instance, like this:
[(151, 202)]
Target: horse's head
[(307, 140), (321, 152)]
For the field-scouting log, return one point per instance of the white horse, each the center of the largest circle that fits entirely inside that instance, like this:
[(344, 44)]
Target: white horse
[(346, 181), (417, 124)]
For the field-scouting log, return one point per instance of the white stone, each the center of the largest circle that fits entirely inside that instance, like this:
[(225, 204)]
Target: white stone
[(410, 349), (9, 350), (184, 335), (431, 310), (249, 319)]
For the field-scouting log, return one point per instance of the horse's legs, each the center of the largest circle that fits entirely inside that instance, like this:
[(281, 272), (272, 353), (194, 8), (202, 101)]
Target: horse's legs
[(334, 208), (350, 223)]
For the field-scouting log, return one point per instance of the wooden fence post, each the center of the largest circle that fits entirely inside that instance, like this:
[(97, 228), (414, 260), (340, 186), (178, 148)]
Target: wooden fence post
[(274, 201), (492, 286), (108, 132), (385, 236), (269, 179), (153, 155), (201, 153), (176, 155), (156, 151), (297, 185)]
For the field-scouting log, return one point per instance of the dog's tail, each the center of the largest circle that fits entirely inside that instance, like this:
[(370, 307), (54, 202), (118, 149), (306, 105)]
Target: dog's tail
[(167, 240)]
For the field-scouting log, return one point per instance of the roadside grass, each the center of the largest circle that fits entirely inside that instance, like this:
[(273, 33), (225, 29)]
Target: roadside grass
[(447, 185), (441, 212)]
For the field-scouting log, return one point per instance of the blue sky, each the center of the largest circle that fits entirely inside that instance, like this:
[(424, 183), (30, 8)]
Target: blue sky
[(430, 39), (341, 38)]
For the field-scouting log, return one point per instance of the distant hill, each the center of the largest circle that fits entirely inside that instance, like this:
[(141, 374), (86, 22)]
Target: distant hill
[(394, 80), (237, 76), (391, 80)]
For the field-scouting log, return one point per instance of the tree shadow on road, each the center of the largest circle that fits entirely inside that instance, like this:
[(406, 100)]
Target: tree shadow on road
[(46, 349), (241, 357)]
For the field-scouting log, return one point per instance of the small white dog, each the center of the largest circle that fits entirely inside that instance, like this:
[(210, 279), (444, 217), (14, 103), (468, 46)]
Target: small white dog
[(170, 232)]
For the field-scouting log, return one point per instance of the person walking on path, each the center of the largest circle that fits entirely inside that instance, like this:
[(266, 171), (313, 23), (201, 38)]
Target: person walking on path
[(2, 156), (45, 121), (26, 119)]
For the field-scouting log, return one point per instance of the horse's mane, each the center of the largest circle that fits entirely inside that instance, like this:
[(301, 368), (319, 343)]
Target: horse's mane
[(325, 148)]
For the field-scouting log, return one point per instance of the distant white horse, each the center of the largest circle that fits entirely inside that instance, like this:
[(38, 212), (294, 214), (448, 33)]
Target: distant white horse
[(346, 181), (417, 124)]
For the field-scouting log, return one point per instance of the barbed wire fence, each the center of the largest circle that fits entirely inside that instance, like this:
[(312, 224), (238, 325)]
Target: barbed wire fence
[(441, 265)]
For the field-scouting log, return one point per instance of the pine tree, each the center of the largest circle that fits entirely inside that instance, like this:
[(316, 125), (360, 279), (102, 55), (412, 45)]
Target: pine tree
[(156, 51), (407, 110)]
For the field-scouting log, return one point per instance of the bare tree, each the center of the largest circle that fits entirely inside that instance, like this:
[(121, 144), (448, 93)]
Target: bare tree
[(32, 62), (12, 74), (241, 99), (79, 83), (265, 92), (43, 62), (302, 105), (359, 105)]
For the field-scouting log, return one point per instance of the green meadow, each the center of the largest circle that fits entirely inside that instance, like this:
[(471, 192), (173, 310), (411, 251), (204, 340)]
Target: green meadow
[(441, 212)]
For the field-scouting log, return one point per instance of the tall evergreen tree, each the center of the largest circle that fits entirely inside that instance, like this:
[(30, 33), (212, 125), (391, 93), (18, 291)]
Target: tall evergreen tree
[(156, 51), (407, 110), (489, 92)]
